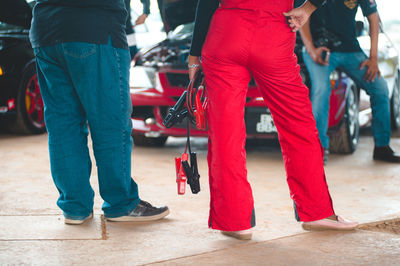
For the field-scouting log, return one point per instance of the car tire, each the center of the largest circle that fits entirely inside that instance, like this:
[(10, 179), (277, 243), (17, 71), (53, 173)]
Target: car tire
[(345, 140), (142, 140), (395, 104), (29, 105)]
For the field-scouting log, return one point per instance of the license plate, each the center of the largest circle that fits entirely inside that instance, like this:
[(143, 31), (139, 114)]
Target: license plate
[(265, 124), (259, 121)]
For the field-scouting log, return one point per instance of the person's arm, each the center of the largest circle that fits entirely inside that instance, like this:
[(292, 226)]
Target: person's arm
[(372, 62), (205, 11), (297, 17), (128, 25), (146, 6), (315, 53), (146, 11)]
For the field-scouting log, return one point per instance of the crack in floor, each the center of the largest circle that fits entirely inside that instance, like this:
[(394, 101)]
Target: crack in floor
[(103, 228), (391, 226)]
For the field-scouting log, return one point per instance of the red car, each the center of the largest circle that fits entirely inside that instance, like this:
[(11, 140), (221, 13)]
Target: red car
[(159, 76), (21, 105)]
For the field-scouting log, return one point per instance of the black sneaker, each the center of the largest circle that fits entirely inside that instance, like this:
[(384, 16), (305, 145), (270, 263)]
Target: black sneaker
[(143, 212), (386, 154)]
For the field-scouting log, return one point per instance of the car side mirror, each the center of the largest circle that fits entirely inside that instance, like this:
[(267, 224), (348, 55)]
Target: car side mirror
[(359, 27)]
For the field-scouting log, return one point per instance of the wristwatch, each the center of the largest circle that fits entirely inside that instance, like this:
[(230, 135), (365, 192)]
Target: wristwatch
[(193, 66)]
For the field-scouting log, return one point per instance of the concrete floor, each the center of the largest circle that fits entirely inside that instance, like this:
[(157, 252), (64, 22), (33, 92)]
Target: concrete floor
[(32, 229)]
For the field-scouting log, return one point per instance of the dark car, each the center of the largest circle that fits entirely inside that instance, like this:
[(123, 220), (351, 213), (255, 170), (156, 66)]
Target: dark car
[(21, 105), (159, 75)]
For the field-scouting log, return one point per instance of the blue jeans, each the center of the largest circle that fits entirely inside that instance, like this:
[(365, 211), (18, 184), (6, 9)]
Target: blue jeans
[(321, 91), (87, 84)]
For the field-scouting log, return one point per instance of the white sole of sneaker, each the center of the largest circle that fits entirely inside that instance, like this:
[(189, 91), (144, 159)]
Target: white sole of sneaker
[(76, 222), (139, 219)]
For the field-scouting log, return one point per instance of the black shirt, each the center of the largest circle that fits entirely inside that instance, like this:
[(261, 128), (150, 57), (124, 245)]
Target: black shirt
[(338, 17), (204, 13), (92, 21)]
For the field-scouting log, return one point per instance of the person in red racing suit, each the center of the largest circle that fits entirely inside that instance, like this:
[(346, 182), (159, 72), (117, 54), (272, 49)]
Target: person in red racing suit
[(252, 38)]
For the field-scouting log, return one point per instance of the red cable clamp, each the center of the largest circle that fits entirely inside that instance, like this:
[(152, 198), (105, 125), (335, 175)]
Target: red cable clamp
[(180, 173)]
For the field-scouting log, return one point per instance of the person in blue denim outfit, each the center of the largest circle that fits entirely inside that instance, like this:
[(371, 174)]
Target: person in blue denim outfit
[(83, 61), (338, 18)]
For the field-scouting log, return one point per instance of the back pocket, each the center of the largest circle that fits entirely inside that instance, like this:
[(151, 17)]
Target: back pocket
[(79, 49)]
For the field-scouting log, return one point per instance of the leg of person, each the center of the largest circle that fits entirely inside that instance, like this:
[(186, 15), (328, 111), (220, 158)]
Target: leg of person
[(277, 74), (320, 92), (227, 79), (380, 104), (67, 129), (100, 75), (231, 207)]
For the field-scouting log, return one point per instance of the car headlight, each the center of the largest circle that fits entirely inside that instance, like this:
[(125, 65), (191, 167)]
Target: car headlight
[(142, 77)]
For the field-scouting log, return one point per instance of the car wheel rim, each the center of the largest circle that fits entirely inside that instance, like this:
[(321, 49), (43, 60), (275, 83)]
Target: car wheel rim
[(34, 102), (352, 113)]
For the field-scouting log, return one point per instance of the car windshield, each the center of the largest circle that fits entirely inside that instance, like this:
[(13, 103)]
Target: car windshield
[(15, 15), (181, 32)]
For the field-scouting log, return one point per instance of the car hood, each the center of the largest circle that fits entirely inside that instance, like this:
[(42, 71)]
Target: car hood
[(177, 12), (16, 12)]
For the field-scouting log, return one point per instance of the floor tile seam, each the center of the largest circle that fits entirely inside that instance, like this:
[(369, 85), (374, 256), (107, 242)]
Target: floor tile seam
[(40, 214), (253, 243), (198, 254), (261, 242), (48, 239), (103, 225), (397, 219), (23, 215)]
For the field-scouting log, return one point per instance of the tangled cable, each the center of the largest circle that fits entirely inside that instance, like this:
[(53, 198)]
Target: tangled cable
[(195, 111)]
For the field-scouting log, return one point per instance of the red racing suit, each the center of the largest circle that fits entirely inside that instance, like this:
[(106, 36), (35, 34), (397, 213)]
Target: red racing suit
[(251, 38)]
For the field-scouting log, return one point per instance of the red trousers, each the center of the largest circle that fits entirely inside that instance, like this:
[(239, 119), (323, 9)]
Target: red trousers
[(241, 43)]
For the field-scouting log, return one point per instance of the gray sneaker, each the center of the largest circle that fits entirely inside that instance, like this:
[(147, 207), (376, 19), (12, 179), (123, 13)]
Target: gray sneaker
[(143, 212)]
